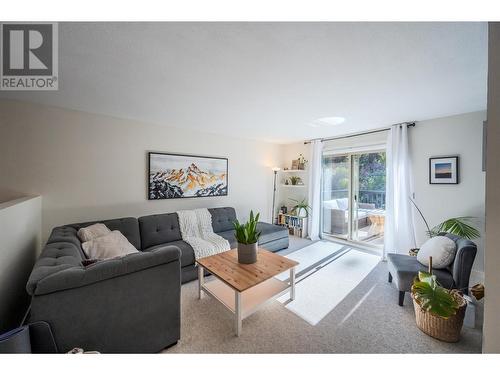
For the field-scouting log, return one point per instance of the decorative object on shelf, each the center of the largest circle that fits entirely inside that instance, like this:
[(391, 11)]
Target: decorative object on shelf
[(275, 171), (302, 162), (283, 209), (301, 208), (443, 170), (287, 182), (295, 180), (459, 226), (186, 176), (439, 312), (247, 237)]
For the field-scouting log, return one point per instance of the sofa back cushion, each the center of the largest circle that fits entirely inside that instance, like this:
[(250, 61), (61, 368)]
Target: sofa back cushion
[(222, 218), (55, 257), (159, 229)]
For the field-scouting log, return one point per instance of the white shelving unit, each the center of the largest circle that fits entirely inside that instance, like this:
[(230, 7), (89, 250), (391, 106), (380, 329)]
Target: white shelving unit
[(296, 226)]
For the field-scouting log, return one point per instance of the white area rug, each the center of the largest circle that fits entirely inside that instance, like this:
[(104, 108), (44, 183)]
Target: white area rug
[(320, 292), (309, 255)]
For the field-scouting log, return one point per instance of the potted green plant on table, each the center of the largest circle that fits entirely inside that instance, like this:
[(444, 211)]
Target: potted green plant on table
[(247, 236), (439, 312)]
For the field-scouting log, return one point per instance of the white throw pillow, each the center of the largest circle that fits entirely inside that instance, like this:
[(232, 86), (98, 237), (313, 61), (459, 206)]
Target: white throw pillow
[(343, 204), (92, 232), (441, 249), (112, 245)]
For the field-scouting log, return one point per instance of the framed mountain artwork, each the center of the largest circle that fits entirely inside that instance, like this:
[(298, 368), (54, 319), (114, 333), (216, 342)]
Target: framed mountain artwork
[(186, 176)]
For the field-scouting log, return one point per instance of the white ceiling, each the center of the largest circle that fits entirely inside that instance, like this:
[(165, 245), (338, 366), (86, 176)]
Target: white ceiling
[(267, 81)]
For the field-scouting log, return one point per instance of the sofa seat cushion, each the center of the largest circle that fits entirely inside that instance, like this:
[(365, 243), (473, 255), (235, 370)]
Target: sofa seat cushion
[(404, 268), (187, 252), (270, 232)]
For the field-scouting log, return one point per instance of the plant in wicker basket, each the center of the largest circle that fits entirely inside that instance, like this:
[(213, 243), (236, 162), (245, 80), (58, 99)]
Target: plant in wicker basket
[(432, 297), (439, 312)]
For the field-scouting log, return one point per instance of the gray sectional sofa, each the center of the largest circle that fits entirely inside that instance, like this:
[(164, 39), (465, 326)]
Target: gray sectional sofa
[(125, 305)]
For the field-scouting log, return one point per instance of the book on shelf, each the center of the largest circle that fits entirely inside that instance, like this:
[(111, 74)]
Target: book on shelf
[(296, 225)]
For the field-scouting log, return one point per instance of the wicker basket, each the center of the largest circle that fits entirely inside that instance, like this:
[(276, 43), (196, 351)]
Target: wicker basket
[(442, 329)]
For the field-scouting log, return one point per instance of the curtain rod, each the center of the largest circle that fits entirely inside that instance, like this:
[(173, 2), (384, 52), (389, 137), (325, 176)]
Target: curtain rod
[(408, 124)]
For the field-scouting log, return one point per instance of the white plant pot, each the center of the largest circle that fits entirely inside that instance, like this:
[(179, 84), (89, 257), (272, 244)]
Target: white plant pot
[(301, 213)]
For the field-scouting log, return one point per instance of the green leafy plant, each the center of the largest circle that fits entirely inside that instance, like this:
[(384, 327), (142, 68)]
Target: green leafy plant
[(302, 159), (247, 233), (300, 205), (295, 180), (432, 297), (456, 225)]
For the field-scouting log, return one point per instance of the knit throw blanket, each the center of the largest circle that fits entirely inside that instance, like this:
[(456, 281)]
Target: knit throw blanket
[(196, 230)]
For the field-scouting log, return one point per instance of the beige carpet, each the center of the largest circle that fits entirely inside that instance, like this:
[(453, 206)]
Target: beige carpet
[(368, 320)]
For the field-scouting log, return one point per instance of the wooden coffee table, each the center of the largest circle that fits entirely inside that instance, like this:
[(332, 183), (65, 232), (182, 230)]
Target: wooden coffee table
[(243, 288)]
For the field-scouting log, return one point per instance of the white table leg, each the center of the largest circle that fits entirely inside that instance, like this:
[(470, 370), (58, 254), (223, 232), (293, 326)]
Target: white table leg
[(237, 312), (201, 280), (292, 283)]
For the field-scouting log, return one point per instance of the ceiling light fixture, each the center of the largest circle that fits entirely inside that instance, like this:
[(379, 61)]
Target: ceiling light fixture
[(327, 121)]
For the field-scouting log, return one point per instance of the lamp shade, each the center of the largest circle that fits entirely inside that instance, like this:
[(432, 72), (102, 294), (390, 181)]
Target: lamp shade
[(276, 169)]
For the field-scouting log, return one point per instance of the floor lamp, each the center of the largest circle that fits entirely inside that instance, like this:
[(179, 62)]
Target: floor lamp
[(275, 170)]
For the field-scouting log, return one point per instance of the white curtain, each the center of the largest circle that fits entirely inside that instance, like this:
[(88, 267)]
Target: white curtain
[(314, 189), (399, 234)]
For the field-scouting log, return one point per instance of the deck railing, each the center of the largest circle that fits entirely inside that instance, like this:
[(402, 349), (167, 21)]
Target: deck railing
[(376, 197)]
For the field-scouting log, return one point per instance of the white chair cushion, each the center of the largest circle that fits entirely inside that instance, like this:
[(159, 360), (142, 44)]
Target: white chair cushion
[(112, 245), (441, 249), (92, 232)]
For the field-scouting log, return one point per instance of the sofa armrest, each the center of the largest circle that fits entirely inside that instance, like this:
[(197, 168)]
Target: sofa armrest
[(75, 277)]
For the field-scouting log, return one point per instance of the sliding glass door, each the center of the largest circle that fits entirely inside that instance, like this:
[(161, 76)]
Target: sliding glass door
[(335, 195), (353, 196)]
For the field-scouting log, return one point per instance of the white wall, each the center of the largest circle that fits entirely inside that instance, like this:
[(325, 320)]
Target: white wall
[(491, 327), (90, 166), (456, 135), (20, 240)]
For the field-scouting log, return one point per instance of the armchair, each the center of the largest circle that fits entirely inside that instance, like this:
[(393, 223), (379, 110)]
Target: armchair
[(404, 268)]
